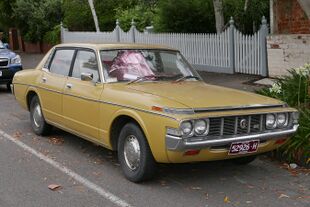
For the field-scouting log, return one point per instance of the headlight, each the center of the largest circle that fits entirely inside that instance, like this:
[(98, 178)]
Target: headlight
[(16, 60), (271, 121), (200, 127), (186, 128), (282, 119)]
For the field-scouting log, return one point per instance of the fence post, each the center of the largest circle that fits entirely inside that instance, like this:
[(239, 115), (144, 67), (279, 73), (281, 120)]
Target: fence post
[(263, 46), (117, 31), (133, 31), (62, 31), (232, 44)]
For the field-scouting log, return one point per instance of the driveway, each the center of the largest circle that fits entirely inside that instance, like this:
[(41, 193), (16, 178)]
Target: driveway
[(89, 175)]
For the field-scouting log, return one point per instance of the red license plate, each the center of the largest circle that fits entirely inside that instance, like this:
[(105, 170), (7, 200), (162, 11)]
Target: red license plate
[(245, 147)]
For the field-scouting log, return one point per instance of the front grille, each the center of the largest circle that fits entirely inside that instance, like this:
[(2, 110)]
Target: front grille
[(4, 62), (236, 125)]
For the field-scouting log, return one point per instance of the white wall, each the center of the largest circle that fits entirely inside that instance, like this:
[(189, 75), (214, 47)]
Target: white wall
[(287, 51)]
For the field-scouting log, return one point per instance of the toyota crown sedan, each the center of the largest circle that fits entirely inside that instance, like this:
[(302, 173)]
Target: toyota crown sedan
[(147, 103), (10, 63)]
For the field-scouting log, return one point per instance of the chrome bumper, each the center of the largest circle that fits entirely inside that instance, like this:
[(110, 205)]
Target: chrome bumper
[(175, 143)]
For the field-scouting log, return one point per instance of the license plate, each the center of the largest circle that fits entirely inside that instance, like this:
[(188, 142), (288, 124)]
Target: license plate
[(245, 147), (0, 73)]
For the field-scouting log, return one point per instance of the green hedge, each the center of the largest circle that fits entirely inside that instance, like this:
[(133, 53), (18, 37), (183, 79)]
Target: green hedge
[(293, 89)]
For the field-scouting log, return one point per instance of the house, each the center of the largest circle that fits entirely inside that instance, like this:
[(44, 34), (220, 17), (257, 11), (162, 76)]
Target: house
[(288, 45)]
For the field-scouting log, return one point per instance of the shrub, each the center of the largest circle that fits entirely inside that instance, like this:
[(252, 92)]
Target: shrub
[(53, 37), (293, 89)]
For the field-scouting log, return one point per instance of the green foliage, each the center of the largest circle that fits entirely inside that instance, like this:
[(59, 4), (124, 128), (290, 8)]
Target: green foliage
[(77, 15), (141, 14), (194, 16), (53, 37), (247, 21), (35, 18), (6, 15), (293, 89)]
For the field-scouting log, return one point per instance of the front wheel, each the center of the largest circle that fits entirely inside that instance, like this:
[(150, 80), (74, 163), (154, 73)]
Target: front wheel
[(134, 154), (38, 123)]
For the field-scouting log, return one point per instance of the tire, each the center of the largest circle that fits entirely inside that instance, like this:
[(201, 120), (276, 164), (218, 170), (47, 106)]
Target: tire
[(38, 123), (139, 165), (244, 160), (8, 86)]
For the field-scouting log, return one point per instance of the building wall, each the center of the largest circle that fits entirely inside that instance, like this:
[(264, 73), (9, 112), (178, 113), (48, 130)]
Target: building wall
[(287, 51), (290, 18)]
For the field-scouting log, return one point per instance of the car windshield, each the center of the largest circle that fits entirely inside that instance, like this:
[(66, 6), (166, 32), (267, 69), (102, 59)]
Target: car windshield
[(1, 45), (142, 65)]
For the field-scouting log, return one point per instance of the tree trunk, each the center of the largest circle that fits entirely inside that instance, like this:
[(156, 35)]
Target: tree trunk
[(93, 11), (219, 16)]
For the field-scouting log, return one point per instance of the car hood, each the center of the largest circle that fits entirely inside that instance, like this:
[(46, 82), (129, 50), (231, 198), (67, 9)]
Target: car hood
[(5, 53), (197, 94)]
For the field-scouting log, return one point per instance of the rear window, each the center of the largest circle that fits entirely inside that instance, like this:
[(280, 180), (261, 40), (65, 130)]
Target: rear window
[(62, 61)]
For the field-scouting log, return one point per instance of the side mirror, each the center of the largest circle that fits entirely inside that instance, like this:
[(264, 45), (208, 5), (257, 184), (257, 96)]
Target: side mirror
[(87, 76), (6, 45)]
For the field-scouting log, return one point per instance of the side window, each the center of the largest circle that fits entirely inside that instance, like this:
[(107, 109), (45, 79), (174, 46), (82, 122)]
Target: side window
[(48, 60), (61, 62), (86, 62)]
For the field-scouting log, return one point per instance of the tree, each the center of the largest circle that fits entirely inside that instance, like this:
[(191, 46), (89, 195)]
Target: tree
[(219, 15), (93, 11)]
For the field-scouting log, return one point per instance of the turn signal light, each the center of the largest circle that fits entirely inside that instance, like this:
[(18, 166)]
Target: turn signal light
[(280, 141), (191, 152)]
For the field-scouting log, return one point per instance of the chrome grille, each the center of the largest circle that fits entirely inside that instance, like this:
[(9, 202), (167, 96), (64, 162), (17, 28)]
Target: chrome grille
[(4, 62), (236, 125)]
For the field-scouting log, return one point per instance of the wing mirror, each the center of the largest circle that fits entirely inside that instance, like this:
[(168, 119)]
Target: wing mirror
[(87, 76), (6, 45)]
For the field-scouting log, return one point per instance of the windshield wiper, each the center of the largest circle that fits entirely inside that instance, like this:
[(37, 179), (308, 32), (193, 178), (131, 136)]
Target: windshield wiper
[(187, 77)]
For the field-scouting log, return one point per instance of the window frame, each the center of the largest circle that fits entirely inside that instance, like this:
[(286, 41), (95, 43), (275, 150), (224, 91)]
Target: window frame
[(74, 59), (50, 60)]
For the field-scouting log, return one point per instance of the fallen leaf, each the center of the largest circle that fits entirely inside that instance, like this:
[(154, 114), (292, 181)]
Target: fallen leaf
[(226, 199), (54, 187), (283, 196), (195, 188), (248, 202), (56, 140), (293, 166), (207, 196)]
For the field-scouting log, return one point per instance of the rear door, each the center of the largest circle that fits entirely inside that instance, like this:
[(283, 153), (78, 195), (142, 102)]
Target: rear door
[(51, 85), (81, 97)]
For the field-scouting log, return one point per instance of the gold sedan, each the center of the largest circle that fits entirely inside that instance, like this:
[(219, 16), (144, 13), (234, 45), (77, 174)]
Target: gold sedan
[(150, 105)]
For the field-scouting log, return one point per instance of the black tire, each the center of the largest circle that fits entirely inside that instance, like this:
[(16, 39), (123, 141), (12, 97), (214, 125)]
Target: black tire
[(146, 168), (8, 86), (39, 125), (244, 160)]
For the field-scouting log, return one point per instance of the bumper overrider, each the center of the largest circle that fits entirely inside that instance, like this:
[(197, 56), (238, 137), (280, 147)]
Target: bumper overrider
[(181, 143)]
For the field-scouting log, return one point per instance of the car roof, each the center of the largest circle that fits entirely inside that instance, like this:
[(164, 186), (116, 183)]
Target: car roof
[(110, 46)]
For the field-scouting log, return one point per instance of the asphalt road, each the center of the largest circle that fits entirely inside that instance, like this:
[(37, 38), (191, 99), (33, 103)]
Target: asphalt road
[(90, 175)]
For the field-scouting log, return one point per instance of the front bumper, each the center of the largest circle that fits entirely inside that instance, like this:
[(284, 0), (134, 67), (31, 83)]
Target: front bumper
[(174, 143), (8, 73)]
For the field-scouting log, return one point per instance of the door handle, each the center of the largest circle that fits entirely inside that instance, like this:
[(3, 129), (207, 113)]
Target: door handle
[(44, 79), (69, 85)]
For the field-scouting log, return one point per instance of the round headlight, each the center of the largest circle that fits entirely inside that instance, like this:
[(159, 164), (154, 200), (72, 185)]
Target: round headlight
[(271, 121), (200, 127), (281, 119), (186, 128)]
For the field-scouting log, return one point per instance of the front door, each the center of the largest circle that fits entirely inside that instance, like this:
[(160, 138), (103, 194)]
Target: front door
[(52, 83), (81, 97)]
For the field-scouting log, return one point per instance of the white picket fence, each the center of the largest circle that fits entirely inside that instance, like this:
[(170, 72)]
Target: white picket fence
[(228, 52)]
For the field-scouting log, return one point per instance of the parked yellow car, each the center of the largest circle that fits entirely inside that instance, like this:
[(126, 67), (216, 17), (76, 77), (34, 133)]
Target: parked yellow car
[(150, 105)]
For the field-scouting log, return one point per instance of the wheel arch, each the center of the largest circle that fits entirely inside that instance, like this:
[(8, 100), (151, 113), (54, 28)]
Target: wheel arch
[(31, 92), (120, 120)]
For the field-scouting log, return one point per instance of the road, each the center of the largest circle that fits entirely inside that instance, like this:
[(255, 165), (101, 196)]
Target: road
[(90, 175)]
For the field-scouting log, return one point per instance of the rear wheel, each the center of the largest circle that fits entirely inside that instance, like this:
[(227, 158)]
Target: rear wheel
[(244, 160), (135, 155), (38, 123)]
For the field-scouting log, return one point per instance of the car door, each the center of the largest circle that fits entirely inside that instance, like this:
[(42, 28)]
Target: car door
[(51, 85), (81, 97)]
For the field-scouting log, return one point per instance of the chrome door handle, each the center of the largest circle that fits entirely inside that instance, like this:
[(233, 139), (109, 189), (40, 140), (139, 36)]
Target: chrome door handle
[(44, 79), (69, 85)]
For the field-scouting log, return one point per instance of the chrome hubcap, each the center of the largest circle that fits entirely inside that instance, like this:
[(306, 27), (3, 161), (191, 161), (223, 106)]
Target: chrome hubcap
[(132, 152), (37, 116)]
